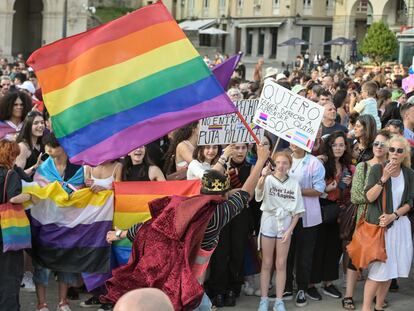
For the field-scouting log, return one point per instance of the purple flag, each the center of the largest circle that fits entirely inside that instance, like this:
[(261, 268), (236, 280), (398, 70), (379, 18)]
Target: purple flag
[(224, 71), (5, 129)]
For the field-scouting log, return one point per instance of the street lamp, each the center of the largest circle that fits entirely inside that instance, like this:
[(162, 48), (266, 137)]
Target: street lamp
[(65, 18)]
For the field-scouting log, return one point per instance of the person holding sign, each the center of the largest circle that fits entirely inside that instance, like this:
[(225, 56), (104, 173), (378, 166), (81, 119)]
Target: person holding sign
[(282, 206)]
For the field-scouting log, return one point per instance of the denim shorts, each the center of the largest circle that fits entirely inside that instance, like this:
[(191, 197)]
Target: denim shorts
[(41, 276)]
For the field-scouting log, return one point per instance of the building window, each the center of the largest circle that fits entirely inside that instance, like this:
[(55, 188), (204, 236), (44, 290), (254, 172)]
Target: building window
[(328, 37), (205, 40), (222, 3), (206, 3), (261, 42), (239, 3), (249, 41), (307, 3), (306, 37), (190, 8), (273, 51)]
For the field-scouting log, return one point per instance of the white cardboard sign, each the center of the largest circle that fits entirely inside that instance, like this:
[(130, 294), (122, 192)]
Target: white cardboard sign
[(229, 129), (288, 115)]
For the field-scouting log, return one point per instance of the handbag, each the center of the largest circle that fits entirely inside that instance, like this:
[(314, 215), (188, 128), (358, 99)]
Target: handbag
[(14, 224), (347, 217), (330, 211), (368, 241), (347, 221)]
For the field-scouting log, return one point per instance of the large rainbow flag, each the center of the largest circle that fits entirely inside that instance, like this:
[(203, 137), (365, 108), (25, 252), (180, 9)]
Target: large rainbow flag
[(131, 207), (125, 84)]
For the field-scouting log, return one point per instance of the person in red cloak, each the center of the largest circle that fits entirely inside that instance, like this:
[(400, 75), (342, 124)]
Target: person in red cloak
[(171, 251)]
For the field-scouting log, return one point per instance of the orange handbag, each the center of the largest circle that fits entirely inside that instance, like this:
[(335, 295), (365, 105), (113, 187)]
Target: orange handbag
[(368, 241)]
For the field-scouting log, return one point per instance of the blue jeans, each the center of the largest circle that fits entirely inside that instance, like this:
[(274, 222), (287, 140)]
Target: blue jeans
[(205, 304), (41, 276)]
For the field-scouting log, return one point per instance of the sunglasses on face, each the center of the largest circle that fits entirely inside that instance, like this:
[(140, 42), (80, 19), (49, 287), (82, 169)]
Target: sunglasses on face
[(398, 150), (379, 144)]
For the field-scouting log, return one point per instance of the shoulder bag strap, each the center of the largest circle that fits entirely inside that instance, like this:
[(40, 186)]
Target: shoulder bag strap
[(5, 187), (384, 199)]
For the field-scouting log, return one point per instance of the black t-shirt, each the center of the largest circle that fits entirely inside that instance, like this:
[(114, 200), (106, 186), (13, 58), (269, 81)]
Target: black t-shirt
[(326, 131), (14, 184), (70, 170)]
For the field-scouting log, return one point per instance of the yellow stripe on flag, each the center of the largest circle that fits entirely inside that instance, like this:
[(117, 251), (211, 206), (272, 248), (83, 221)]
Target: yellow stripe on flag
[(96, 83)]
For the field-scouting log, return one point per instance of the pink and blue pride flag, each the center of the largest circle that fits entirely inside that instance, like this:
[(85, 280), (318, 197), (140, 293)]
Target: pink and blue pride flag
[(124, 84)]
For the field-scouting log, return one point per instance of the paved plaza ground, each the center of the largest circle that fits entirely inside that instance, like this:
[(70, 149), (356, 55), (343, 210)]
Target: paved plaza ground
[(403, 300)]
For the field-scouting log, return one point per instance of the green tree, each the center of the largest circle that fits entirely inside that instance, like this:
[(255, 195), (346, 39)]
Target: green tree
[(379, 43)]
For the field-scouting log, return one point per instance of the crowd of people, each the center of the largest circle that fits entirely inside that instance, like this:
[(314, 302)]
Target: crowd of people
[(361, 158)]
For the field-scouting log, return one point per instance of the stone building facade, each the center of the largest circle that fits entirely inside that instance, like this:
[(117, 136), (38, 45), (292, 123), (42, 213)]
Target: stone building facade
[(256, 27), (28, 24)]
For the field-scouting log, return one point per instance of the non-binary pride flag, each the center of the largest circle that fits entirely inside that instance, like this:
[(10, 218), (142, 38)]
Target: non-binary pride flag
[(69, 231), (124, 84)]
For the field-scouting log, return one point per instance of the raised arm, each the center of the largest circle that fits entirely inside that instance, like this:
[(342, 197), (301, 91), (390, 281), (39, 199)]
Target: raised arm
[(251, 182)]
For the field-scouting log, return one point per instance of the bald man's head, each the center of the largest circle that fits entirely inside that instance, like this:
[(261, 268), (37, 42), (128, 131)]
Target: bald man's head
[(144, 299)]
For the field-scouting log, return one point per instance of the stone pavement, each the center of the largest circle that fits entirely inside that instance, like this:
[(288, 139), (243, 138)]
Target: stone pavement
[(403, 300)]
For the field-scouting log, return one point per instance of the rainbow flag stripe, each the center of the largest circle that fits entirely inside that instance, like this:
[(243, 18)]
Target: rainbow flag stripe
[(131, 205), (124, 84)]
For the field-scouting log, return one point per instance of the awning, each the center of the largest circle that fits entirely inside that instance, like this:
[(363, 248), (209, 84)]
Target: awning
[(261, 24), (197, 24), (213, 31)]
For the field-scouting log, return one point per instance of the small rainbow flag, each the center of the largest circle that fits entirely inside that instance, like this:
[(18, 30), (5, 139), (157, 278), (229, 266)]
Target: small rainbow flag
[(124, 84), (215, 127)]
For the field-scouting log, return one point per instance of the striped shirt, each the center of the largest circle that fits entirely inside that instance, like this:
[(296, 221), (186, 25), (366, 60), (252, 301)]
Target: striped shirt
[(224, 212)]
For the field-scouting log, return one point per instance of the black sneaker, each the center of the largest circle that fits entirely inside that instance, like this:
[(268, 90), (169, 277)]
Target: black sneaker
[(230, 299), (332, 291), (106, 307), (394, 286), (312, 293), (219, 301), (92, 302), (301, 299), (287, 295)]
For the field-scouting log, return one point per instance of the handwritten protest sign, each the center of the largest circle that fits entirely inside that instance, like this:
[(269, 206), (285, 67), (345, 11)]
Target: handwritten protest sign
[(228, 129), (408, 84), (288, 115)]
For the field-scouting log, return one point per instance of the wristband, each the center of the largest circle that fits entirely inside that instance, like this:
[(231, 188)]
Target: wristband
[(398, 216), (380, 183), (118, 233)]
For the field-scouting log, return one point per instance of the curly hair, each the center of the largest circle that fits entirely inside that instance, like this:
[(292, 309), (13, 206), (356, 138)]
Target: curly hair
[(345, 160), (7, 103), (8, 153)]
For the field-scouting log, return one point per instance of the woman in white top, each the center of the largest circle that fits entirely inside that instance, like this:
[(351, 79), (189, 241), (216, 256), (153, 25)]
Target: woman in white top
[(102, 176), (282, 206), (397, 180), (206, 158)]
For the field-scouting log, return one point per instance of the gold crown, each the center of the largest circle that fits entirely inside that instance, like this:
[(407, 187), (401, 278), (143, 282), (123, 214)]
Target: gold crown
[(215, 185)]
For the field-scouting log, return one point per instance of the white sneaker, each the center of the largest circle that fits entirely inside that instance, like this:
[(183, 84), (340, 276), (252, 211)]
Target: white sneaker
[(27, 282), (64, 307), (247, 289), (43, 308)]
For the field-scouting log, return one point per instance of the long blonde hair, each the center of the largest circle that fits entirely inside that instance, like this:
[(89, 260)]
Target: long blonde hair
[(407, 148)]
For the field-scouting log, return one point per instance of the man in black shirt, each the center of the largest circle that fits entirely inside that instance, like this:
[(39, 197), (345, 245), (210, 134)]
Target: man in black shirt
[(329, 124)]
